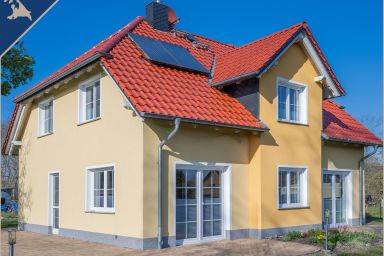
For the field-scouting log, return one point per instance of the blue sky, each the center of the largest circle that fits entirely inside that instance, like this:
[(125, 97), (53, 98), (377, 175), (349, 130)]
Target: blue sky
[(349, 33)]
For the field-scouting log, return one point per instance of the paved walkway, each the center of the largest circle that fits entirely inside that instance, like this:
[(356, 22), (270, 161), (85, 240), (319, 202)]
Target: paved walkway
[(31, 244)]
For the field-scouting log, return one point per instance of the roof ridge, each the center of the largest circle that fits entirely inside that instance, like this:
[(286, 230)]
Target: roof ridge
[(298, 25), (214, 40)]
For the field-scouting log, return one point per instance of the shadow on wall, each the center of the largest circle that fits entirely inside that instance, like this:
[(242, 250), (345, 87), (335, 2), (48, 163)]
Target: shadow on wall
[(25, 191)]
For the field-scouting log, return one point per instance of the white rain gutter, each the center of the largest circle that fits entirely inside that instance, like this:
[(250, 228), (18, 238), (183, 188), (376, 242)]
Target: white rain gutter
[(160, 182)]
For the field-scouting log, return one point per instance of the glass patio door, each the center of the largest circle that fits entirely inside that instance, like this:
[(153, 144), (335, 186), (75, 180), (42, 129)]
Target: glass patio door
[(55, 202), (334, 198), (199, 204)]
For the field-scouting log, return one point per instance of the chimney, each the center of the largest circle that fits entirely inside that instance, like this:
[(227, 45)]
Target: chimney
[(160, 16)]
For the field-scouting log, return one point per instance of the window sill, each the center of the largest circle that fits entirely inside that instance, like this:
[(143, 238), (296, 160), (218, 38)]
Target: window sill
[(88, 121), (292, 122), (293, 207), (100, 212), (44, 135)]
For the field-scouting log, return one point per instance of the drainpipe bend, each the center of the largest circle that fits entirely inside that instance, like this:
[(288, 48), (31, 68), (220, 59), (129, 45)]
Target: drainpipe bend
[(361, 162), (160, 182)]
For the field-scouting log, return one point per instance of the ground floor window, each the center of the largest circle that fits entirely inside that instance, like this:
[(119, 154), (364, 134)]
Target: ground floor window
[(101, 188), (292, 186)]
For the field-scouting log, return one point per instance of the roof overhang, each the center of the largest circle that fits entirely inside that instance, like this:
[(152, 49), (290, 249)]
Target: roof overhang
[(94, 57), (301, 37), (325, 137), (203, 122), (11, 143)]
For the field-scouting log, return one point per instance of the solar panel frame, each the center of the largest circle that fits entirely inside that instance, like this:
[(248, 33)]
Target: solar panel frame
[(167, 54)]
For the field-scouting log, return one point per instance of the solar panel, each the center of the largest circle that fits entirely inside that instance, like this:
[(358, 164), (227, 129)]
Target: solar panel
[(168, 54)]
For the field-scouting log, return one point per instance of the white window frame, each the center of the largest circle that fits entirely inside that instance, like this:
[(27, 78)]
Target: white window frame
[(303, 170), (81, 115), (226, 196), (41, 121), (89, 174), (303, 100), (348, 179), (50, 200)]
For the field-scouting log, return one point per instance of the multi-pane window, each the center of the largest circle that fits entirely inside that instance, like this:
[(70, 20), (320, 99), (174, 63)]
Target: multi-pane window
[(89, 107), (291, 98), (46, 117), (101, 189), (292, 187)]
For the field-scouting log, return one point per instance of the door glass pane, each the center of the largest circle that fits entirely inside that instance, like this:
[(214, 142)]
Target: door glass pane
[(217, 228), (186, 204), (327, 196), (191, 229), (339, 198), (181, 230), (207, 228), (212, 203), (56, 190), (56, 218)]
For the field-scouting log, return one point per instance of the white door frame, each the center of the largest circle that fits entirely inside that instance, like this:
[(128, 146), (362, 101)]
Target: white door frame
[(225, 194), (348, 188), (50, 200)]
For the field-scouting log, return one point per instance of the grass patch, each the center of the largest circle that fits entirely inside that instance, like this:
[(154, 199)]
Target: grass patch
[(357, 239), (372, 215), (370, 251)]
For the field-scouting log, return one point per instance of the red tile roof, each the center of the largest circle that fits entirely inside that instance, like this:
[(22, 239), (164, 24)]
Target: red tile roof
[(167, 91), (163, 91), (339, 125), (101, 47), (255, 56)]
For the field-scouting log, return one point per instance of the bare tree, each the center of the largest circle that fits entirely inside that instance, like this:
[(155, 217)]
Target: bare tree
[(374, 165), (9, 164)]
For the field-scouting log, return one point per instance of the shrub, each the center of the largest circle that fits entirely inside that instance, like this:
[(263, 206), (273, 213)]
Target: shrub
[(357, 238), (291, 235)]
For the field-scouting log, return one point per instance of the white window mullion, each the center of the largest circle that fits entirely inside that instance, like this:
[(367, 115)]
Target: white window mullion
[(105, 188), (288, 188)]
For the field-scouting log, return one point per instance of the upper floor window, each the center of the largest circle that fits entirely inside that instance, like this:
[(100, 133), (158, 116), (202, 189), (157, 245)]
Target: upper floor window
[(101, 189), (89, 100), (292, 101), (45, 117), (292, 186)]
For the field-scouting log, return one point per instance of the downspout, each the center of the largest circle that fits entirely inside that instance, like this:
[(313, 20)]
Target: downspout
[(159, 184), (361, 162)]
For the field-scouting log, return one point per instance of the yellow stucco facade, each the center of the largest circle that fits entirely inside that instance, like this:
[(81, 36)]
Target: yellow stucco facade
[(122, 138)]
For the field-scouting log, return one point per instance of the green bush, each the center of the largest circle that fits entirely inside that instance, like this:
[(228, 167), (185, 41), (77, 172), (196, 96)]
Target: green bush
[(291, 235)]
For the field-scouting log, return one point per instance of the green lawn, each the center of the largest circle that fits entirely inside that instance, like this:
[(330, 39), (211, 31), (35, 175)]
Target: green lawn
[(372, 215)]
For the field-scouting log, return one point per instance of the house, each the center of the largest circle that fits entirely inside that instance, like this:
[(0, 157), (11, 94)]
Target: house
[(248, 140)]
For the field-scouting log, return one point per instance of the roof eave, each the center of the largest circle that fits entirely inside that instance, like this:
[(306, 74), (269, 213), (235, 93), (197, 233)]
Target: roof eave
[(94, 57), (204, 122), (327, 138)]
